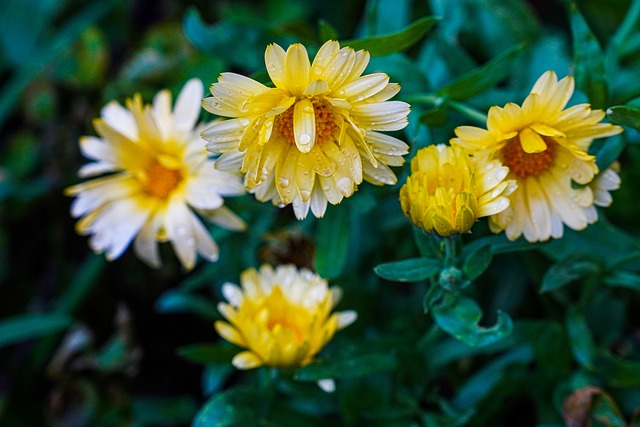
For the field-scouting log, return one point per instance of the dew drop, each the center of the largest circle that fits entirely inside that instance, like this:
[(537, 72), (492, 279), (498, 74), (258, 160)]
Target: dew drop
[(244, 122), (345, 185), (317, 70), (503, 204), (304, 194), (308, 109), (283, 182), (344, 53), (304, 139), (190, 241), (182, 231), (359, 98), (341, 92), (326, 188), (272, 67)]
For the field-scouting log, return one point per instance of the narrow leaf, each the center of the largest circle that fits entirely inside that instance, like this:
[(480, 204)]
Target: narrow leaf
[(624, 115), (394, 42), (326, 31), (477, 262), (580, 338), (574, 267), (24, 327), (208, 353), (610, 151), (623, 279), (409, 270), (332, 243), (180, 302), (357, 365)]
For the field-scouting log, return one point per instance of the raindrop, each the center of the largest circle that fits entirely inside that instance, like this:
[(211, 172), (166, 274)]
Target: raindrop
[(304, 194), (344, 53), (326, 188), (345, 184), (182, 231), (304, 139), (359, 98), (503, 204), (268, 124), (317, 70), (341, 92), (283, 182), (308, 109), (216, 105), (244, 122), (190, 241), (272, 67)]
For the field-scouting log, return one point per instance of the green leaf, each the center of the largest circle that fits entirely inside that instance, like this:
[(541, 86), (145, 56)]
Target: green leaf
[(332, 243), (208, 353), (574, 267), (483, 77), (588, 59), (28, 326), (618, 372), (580, 338), (610, 151), (623, 279), (347, 365), (426, 243), (394, 42), (85, 278), (409, 270), (180, 302), (477, 262), (459, 316), (624, 115), (326, 31), (240, 406), (149, 410)]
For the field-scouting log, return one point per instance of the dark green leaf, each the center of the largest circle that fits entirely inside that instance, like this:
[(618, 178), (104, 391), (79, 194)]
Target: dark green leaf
[(624, 115), (426, 243), (163, 410), (484, 77), (574, 267), (580, 338), (588, 59), (240, 406), (208, 353), (610, 151), (180, 302), (28, 326), (349, 365), (409, 270), (618, 372), (435, 116), (623, 279), (459, 316), (395, 42), (477, 262), (83, 281), (332, 243), (326, 31)]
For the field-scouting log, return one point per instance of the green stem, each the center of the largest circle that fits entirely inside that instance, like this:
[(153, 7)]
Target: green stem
[(452, 246), (470, 112)]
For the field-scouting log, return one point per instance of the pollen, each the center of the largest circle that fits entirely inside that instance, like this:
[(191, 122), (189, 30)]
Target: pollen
[(161, 181), (527, 164), (325, 122)]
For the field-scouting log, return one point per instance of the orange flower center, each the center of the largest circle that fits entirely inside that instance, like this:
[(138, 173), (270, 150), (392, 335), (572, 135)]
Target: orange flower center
[(325, 122), (524, 164), (161, 181)]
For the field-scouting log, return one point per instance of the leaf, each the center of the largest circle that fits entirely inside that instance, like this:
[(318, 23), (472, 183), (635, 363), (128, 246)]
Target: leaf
[(588, 59), (624, 115), (426, 243), (150, 410), (394, 42), (623, 279), (618, 372), (574, 267), (591, 403), (580, 338), (477, 262), (240, 406), (28, 326), (409, 270), (332, 243), (326, 31), (208, 353), (459, 317), (483, 77), (610, 151), (347, 366), (180, 302), (83, 281)]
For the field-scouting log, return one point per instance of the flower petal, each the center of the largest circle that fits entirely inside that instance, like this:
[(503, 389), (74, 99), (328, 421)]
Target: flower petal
[(188, 104), (297, 69), (304, 125)]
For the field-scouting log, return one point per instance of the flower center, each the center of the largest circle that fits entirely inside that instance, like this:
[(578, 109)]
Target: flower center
[(325, 122), (522, 163), (161, 181)]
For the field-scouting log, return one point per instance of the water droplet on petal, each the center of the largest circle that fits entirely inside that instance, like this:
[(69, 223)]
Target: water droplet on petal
[(283, 182), (304, 194), (345, 186), (272, 67), (503, 204), (190, 241), (359, 98), (308, 109), (304, 139), (344, 53), (244, 122)]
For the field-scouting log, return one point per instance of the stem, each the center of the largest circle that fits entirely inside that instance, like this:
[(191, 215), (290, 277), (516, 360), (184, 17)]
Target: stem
[(452, 245), (470, 112)]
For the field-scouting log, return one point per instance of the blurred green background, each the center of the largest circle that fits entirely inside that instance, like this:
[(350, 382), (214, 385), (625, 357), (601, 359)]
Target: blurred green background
[(86, 342)]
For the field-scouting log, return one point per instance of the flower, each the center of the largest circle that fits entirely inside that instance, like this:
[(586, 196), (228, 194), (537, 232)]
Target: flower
[(282, 316), (546, 148), (448, 190), (159, 171), (314, 137), (605, 181)]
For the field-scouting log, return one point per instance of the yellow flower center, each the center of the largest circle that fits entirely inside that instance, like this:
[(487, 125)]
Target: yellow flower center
[(325, 122), (161, 181), (524, 164), (283, 313)]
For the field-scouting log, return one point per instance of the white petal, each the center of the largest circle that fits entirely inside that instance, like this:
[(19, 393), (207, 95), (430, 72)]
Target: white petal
[(180, 232), (145, 245), (187, 108), (120, 119), (162, 113)]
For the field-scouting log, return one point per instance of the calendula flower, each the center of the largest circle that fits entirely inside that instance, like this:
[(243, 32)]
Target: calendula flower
[(448, 190), (315, 136), (282, 317), (159, 173), (546, 148), (606, 181)]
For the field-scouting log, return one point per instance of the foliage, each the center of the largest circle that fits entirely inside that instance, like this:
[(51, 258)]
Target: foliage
[(476, 330)]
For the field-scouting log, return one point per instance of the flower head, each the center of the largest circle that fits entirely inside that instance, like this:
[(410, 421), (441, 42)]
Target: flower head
[(448, 190), (546, 148), (158, 171), (315, 136), (282, 316)]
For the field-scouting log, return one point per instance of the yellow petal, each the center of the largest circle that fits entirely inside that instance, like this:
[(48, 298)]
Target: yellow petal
[(304, 125), (229, 333), (274, 58), (531, 141), (545, 130), (297, 69), (246, 360), (323, 57)]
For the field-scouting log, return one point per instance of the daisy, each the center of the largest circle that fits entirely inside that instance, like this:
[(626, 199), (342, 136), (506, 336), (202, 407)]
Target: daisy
[(448, 190), (281, 316), (545, 146), (313, 137), (158, 174)]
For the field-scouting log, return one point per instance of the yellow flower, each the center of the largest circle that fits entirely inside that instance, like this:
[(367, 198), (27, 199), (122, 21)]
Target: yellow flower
[(546, 148), (314, 137), (159, 171), (448, 190), (282, 316)]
